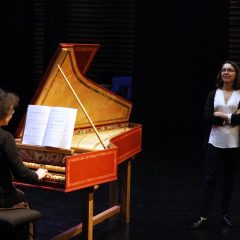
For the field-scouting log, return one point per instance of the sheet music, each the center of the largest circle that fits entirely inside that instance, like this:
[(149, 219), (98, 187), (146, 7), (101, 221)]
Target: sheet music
[(49, 126), (36, 124), (60, 127)]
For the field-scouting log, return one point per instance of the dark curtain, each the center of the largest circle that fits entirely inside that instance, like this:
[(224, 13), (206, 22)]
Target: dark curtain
[(17, 25), (178, 48)]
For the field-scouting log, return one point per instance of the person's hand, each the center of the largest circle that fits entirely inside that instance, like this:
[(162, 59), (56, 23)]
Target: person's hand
[(217, 114), (221, 115), (238, 111), (41, 173)]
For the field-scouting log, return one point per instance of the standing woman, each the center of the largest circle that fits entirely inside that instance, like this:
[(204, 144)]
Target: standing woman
[(10, 162), (222, 122)]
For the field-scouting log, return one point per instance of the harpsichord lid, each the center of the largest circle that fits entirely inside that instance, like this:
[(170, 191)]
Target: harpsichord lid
[(102, 106)]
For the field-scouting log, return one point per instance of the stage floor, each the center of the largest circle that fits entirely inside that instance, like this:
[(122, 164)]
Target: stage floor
[(165, 195)]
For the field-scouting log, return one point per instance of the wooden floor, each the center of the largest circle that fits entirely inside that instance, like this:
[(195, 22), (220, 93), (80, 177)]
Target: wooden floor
[(165, 191)]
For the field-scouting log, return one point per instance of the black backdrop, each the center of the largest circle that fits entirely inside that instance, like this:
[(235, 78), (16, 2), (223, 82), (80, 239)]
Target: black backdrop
[(178, 48)]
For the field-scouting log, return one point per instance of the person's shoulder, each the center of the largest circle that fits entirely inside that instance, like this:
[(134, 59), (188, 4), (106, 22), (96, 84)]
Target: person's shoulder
[(5, 134), (2, 132), (212, 92)]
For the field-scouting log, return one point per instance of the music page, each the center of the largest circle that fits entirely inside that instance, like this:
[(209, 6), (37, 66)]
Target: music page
[(60, 127), (49, 126), (36, 124)]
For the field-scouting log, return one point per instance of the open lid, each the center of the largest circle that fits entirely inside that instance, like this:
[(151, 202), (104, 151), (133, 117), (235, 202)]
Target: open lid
[(103, 106)]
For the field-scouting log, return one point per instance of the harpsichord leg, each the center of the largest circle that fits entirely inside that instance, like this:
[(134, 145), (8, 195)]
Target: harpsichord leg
[(126, 191)]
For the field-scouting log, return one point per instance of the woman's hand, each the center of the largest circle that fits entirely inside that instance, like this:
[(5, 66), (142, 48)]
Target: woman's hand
[(41, 173), (238, 111), (222, 115)]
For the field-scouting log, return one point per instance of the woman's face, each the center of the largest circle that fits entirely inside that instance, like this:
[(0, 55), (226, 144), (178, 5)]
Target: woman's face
[(4, 121), (228, 73)]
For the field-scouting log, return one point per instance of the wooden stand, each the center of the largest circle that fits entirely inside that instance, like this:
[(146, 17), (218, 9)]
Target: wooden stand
[(88, 220)]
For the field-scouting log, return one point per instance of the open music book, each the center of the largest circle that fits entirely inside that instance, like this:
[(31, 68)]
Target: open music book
[(49, 126)]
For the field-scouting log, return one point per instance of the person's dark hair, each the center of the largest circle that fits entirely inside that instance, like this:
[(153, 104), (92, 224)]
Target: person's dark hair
[(236, 83), (7, 101)]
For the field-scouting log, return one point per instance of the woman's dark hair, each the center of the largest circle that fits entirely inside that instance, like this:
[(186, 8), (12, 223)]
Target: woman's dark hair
[(8, 100), (236, 83)]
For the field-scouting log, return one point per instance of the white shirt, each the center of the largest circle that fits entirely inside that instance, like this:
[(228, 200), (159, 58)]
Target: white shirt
[(225, 136)]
